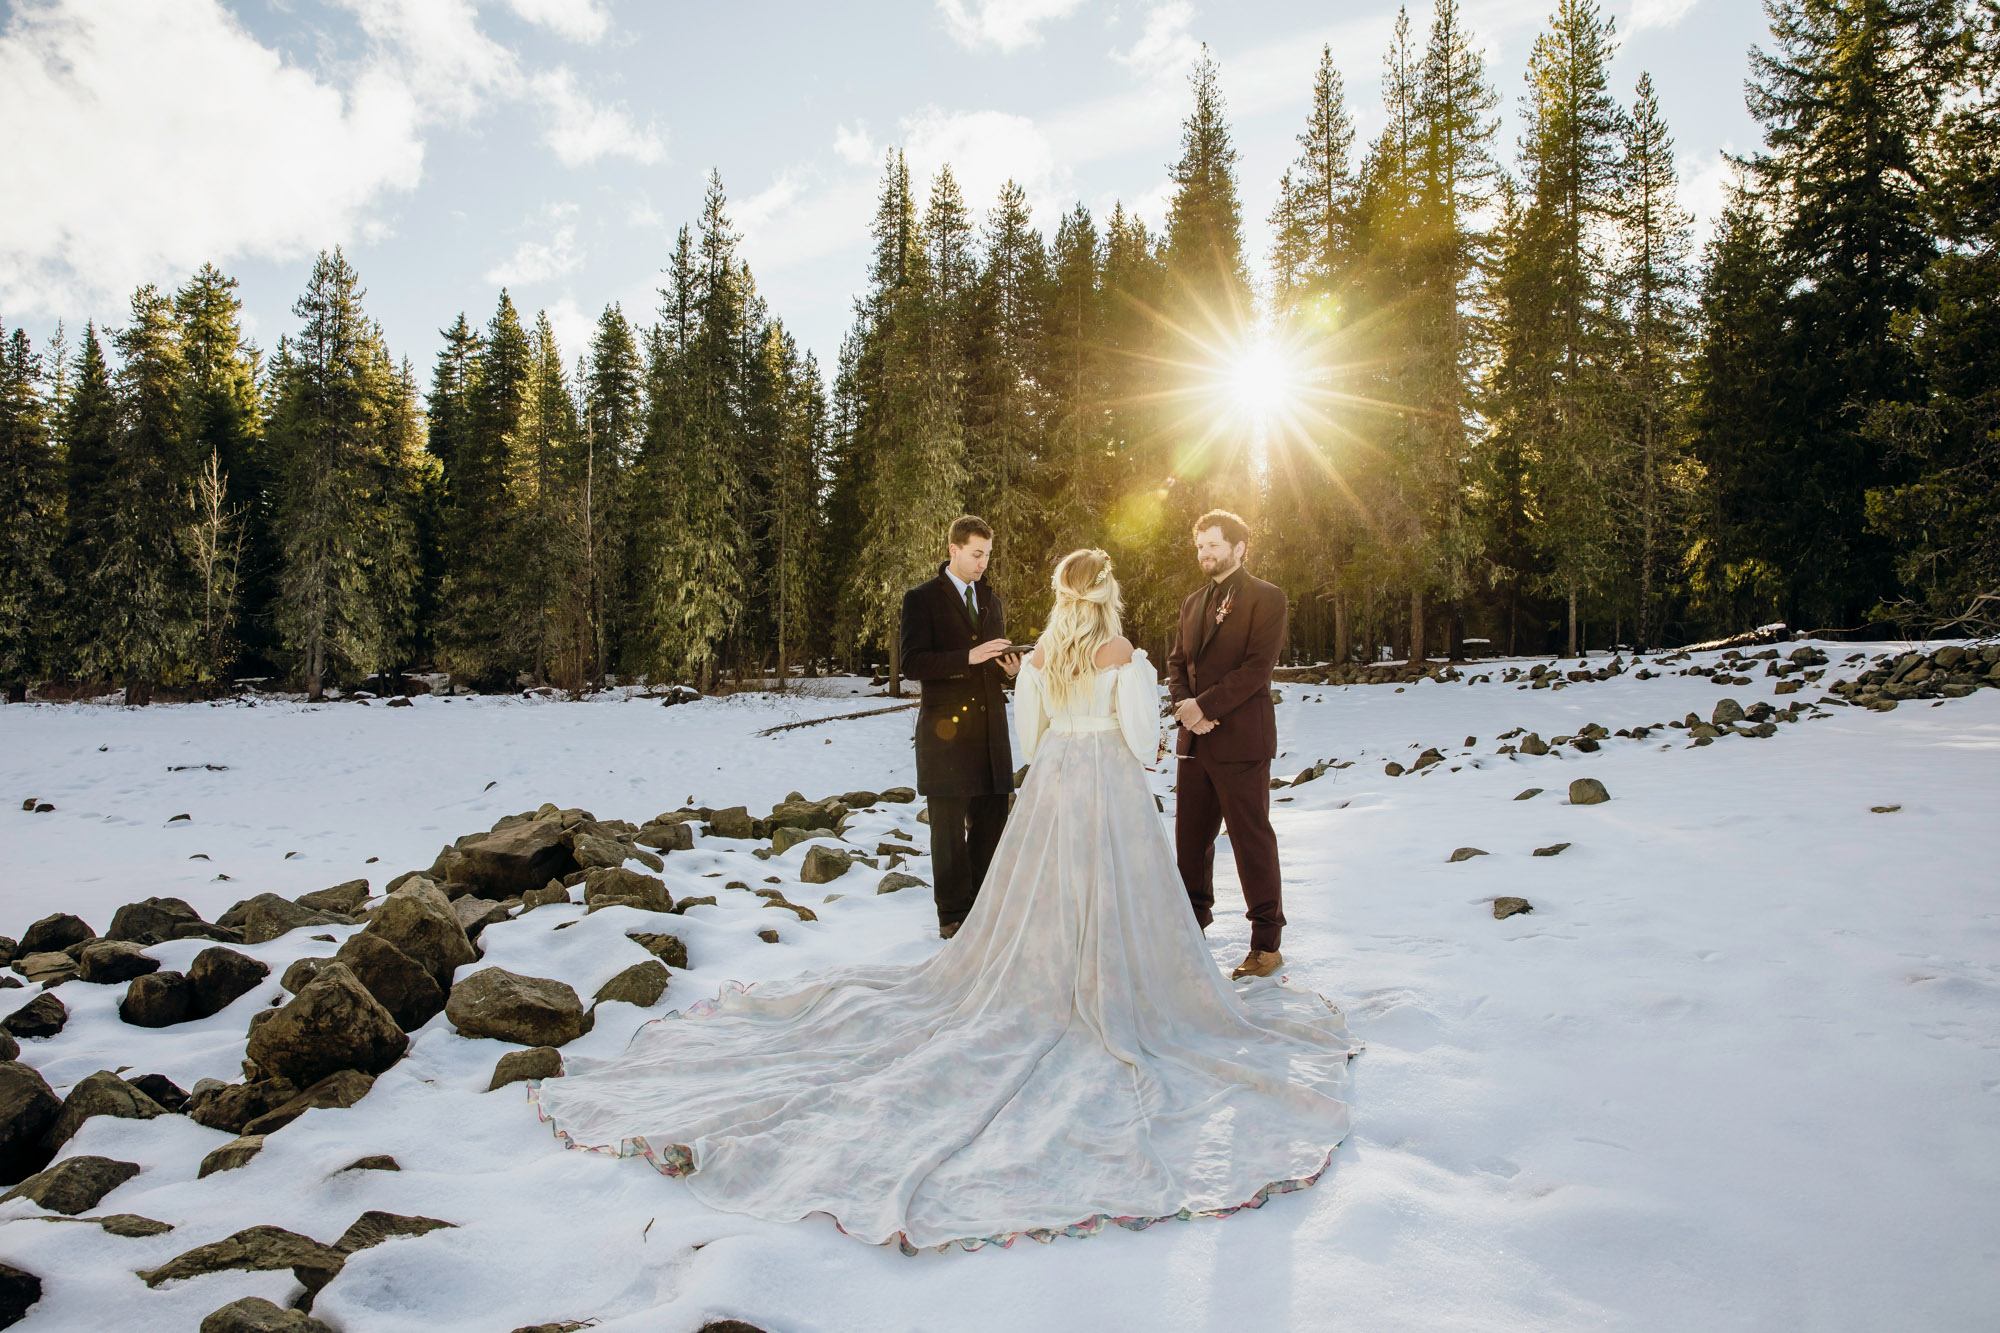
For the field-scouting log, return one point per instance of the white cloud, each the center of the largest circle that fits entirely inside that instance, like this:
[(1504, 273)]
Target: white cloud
[(985, 150), (258, 158), (579, 20), (582, 131), (1006, 24), (854, 145), (1165, 43), (433, 49), (1705, 182), (573, 328), (1659, 13), (537, 259)]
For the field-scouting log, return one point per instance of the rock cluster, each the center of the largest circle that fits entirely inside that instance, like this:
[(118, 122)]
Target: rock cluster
[(1950, 672)]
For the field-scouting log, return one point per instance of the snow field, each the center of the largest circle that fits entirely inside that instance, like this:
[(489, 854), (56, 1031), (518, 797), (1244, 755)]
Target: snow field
[(1740, 1068)]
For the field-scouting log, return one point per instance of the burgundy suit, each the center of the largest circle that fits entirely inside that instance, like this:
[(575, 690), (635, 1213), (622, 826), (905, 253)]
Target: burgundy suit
[(1225, 776)]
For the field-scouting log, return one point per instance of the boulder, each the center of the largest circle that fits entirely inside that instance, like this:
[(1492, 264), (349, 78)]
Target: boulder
[(19, 1290), (1529, 794), (42, 1016), (674, 837), (802, 913), (681, 905), (593, 851), (735, 822), (896, 881), (102, 1093), (508, 863), (1506, 907), (1532, 743), (254, 1314), (398, 982), (1466, 853), (73, 1185), (615, 882), (768, 936), (220, 977), (555, 891), (823, 864), (667, 948), (1553, 849), (50, 968), (28, 1107), (373, 1227), (230, 1106), (336, 1091), (267, 916), (347, 898), (256, 1250), (237, 1152), (859, 800), (52, 934), (899, 795), (10, 1046), (333, 1024), (162, 1090), (109, 962), (529, 1011), (129, 1225), (537, 1062), (476, 914), (417, 918), (641, 984), (1392, 769), (158, 1000), (301, 973), (785, 838), (152, 921), (1427, 758), (375, 1162), (1726, 712), (801, 814), (1588, 791)]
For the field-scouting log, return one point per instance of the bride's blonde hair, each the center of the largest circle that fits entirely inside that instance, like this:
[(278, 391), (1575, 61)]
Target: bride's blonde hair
[(1085, 618)]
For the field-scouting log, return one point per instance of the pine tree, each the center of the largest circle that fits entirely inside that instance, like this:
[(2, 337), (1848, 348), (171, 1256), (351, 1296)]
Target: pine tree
[(31, 518), (448, 430), (472, 637), (89, 427), (140, 590), (1654, 233), (341, 432), (547, 594), (1848, 97), (1560, 295), (613, 421), (234, 554)]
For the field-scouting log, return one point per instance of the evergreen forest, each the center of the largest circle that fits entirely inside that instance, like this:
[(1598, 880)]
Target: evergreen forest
[(1488, 392)]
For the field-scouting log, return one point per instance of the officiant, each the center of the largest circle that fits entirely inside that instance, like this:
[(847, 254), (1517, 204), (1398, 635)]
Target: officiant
[(954, 641)]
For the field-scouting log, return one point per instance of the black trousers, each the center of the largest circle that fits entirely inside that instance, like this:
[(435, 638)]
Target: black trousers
[(964, 832), (1209, 795)]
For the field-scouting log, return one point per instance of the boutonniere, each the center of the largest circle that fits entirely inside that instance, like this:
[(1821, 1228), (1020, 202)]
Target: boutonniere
[(1222, 612)]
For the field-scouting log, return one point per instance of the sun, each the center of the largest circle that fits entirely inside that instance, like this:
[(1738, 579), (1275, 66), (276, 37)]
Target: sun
[(1262, 381)]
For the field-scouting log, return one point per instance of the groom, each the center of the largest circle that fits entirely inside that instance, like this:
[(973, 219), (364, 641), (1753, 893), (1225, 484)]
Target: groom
[(1219, 678), (954, 640)]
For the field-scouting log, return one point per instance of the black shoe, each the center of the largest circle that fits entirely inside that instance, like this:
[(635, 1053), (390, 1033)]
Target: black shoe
[(949, 929)]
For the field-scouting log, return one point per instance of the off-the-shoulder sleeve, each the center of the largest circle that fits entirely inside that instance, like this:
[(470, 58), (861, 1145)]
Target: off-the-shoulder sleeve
[(1030, 719), (1139, 706)]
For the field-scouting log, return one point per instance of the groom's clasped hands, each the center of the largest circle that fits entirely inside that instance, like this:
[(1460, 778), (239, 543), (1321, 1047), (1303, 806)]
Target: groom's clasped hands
[(1188, 713)]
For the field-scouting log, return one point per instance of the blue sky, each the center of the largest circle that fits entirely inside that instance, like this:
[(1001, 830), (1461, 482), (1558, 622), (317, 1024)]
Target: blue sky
[(554, 145)]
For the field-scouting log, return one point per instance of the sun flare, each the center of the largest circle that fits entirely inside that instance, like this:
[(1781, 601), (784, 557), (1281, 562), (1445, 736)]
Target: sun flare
[(1262, 381)]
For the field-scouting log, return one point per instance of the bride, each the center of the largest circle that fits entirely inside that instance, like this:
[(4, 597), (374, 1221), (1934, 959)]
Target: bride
[(1073, 1057)]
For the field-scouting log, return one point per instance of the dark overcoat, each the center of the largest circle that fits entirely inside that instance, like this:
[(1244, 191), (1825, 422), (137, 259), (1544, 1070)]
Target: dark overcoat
[(962, 746), (1227, 669)]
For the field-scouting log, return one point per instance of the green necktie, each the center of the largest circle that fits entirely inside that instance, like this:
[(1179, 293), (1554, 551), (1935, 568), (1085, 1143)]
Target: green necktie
[(971, 611)]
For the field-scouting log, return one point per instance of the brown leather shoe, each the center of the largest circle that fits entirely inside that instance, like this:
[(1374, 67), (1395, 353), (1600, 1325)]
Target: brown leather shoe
[(1258, 963), (945, 932)]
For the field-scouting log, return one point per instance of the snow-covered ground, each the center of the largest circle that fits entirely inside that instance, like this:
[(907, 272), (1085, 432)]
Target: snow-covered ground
[(1740, 1068)]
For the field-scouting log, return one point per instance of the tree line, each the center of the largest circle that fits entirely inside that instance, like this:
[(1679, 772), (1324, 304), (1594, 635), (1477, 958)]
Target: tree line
[(1482, 396)]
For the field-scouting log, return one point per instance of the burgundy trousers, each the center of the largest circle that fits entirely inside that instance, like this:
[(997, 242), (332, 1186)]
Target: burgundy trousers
[(1209, 795)]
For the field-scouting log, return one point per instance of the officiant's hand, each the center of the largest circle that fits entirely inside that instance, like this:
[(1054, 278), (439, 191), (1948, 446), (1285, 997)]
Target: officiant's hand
[(1188, 714), (987, 651)]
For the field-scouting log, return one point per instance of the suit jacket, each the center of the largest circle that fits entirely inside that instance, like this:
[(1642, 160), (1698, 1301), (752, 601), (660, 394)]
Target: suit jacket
[(1230, 675), (962, 746)]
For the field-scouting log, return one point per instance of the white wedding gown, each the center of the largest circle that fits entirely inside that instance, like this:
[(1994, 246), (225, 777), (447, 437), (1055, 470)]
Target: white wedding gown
[(1073, 1057)]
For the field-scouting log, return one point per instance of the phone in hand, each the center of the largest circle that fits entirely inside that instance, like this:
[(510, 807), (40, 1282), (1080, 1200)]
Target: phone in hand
[(1017, 650)]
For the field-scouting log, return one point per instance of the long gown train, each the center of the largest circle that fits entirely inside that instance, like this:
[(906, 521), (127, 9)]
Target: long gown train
[(1073, 1057)]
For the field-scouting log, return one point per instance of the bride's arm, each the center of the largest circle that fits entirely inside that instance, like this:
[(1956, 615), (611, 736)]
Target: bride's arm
[(1029, 719), (1139, 707)]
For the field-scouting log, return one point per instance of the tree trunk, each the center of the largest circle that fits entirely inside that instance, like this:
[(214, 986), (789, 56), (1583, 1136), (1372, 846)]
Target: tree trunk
[(1342, 647), (1572, 620), (1417, 653)]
